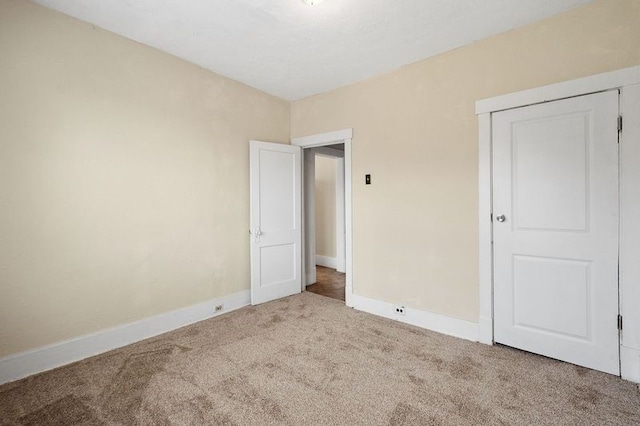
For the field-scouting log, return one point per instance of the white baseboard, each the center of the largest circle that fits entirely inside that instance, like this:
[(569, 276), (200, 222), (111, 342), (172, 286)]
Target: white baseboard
[(327, 262), (25, 364), (442, 324), (630, 364)]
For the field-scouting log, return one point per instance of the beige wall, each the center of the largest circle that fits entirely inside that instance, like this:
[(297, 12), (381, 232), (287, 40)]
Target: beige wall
[(325, 206), (124, 171), (123, 178), (415, 131)]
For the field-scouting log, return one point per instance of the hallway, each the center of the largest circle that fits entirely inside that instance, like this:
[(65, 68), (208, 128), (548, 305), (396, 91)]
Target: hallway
[(329, 283)]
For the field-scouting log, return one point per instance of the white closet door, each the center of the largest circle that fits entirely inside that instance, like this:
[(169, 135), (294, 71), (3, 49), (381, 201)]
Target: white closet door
[(556, 229)]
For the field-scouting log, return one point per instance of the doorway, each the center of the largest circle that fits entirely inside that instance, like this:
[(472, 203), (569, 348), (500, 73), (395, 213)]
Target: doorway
[(336, 145), (282, 254), (326, 227)]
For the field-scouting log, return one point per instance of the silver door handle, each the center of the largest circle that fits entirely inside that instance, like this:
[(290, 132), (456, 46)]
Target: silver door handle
[(256, 234), (501, 218)]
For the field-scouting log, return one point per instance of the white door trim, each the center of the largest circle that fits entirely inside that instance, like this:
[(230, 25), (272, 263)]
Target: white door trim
[(628, 81), (567, 89), (341, 264), (630, 232), (323, 139), (344, 136)]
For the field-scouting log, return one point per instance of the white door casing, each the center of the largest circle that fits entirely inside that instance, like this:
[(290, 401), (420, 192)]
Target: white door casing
[(340, 217), (345, 137), (555, 181), (276, 221)]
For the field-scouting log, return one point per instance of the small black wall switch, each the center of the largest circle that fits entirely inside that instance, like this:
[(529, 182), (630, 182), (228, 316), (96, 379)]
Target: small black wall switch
[(367, 179)]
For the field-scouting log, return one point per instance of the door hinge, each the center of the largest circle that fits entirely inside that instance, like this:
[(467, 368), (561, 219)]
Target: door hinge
[(619, 123), (620, 322), (491, 216)]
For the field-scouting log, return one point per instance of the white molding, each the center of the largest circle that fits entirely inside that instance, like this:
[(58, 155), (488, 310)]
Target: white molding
[(329, 138), (435, 322), (552, 92), (341, 264), (630, 231), (348, 214), (18, 366), (628, 81), (326, 261), (630, 364), (485, 229)]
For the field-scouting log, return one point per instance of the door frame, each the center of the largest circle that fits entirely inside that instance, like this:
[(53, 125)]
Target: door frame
[(627, 81), (344, 136)]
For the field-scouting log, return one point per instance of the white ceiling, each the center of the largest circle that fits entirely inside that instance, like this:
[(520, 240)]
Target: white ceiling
[(292, 50)]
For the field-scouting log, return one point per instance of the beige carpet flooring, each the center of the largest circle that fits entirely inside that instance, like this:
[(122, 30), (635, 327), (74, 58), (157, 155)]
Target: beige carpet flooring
[(309, 360)]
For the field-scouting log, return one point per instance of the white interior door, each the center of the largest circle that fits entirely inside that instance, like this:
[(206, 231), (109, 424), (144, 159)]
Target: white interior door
[(555, 214), (276, 221)]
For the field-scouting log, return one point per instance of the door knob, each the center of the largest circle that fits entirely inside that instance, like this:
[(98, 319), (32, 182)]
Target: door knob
[(256, 234), (501, 218)]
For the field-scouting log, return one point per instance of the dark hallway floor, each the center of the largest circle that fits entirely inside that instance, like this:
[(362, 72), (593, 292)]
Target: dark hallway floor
[(329, 283)]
